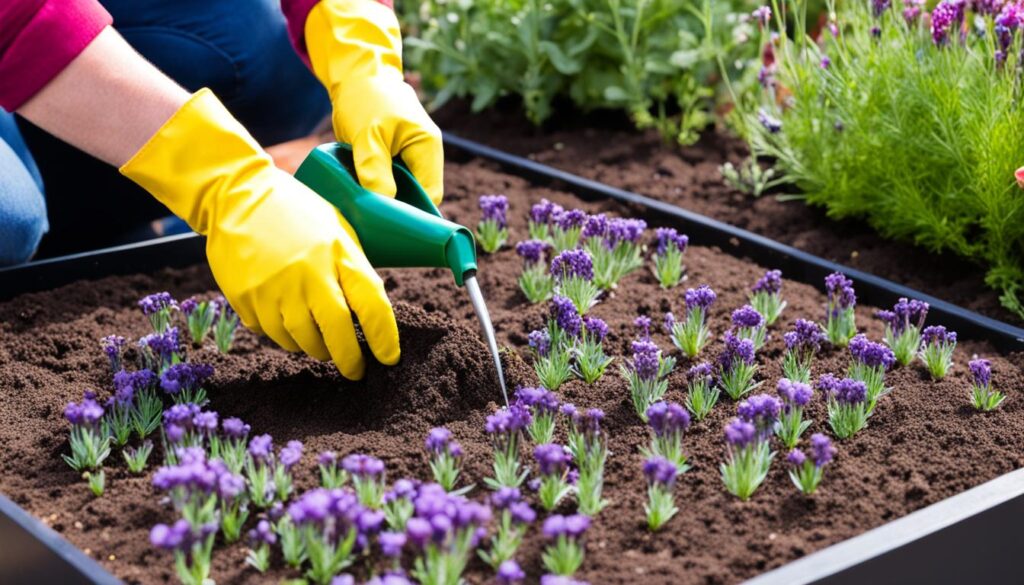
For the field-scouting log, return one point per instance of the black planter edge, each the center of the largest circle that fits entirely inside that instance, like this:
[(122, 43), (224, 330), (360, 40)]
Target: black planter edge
[(795, 263)]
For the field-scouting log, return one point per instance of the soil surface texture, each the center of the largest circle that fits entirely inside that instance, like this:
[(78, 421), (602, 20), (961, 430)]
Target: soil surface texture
[(923, 444), (607, 148)]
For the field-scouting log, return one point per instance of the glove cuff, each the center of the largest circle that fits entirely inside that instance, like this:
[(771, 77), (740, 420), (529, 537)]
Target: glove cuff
[(353, 39), (196, 156)]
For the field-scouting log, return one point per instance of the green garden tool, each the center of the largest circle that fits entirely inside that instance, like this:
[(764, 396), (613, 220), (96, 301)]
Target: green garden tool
[(407, 231)]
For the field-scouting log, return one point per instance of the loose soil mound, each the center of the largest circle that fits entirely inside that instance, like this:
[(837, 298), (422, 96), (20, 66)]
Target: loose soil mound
[(924, 443)]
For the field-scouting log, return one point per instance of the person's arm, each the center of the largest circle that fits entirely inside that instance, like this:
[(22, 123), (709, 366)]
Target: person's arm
[(355, 49)]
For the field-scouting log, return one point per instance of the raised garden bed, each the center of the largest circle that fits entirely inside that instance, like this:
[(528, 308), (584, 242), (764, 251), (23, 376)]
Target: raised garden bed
[(924, 443), (607, 148)]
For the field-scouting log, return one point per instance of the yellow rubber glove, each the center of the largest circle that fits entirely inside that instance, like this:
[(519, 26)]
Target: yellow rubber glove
[(355, 47), (286, 260)]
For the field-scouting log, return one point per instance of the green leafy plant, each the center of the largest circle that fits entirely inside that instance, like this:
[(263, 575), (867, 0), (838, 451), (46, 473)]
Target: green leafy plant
[(906, 122)]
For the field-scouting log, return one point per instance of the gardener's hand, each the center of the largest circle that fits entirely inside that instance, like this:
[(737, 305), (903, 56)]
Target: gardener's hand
[(355, 47), (286, 260)]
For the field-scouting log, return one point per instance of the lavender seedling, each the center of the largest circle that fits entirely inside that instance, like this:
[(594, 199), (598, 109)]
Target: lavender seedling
[(118, 416), (516, 517), (543, 406), (701, 392), (445, 459), (293, 544), (261, 538), (510, 573), (668, 422), (749, 324), (983, 396), (136, 458), (506, 430), (937, 345), (615, 247), (647, 382), (230, 445), (566, 229), (737, 367), (159, 308), (806, 472), (398, 506), (668, 257), (160, 350), (113, 348), (666, 363), (749, 445), (492, 231), (289, 455), (766, 296), (848, 410), (391, 545), (535, 281), (870, 361), (573, 271), (90, 441), (564, 556), (259, 469), (367, 475), (661, 482), (330, 524), (591, 361), (541, 217), (692, 334), (444, 531), (795, 396), (332, 476), (147, 409), (903, 326), (552, 463), (225, 325), (185, 381), (589, 451), (199, 318), (233, 505), (840, 321), (192, 549), (802, 344)]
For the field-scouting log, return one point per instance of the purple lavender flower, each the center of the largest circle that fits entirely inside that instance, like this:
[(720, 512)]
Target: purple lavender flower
[(981, 372), (596, 328), (670, 238), (290, 454), (570, 219), (645, 360), (540, 341), (88, 413), (572, 527), (772, 124), (234, 428), (770, 283), (364, 466), (532, 251), (623, 230), (806, 337), (643, 323), (392, 543), (912, 11), (509, 573), (509, 420), (822, 450), (747, 317), (794, 393), (702, 297), (763, 16), (177, 536), (796, 458), (740, 433), (937, 334), (113, 347), (667, 418), (946, 17), (438, 440), (205, 422), (261, 448), (538, 400), (564, 312), (871, 354), (544, 212), (596, 226), (156, 302), (847, 390), (660, 471), (701, 371), (825, 62), (736, 351), (573, 264), (905, 314), (494, 208), (878, 7), (840, 291), (762, 411), (185, 378), (551, 458), (162, 347), (263, 533)]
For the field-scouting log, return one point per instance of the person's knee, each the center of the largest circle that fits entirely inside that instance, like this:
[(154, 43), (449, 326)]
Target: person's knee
[(22, 216)]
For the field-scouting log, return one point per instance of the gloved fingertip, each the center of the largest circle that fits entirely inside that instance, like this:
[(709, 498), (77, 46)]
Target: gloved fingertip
[(378, 180), (355, 370)]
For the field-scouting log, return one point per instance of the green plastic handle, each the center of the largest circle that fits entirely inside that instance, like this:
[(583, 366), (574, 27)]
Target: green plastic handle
[(407, 231)]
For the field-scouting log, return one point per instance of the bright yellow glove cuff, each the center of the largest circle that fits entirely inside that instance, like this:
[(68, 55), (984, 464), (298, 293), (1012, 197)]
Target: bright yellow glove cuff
[(355, 48), (286, 260)]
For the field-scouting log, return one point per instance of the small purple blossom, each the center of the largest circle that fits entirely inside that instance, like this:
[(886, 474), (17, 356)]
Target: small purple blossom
[(596, 226), (905, 313), (740, 433), (290, 454), (796, 458), (702, 297), (912, 11), (572, 527), (770, 283), (261, 448), (981, 372), (544, 212), (702, 371), (570, 219), (794, 393), (840, 292), (576, 263), (392, 543), (670, 238), (661, 472), (772, 124), (946, 17), (563, 311), (113, 346), (185, 377), (532, 251), (509, 573), (937, 334), (538, 400), (747, 317), (762, 411), (645, 359), (870, 353), (494, 208), (596, 328), (763, 15), (540, 341), (643, 323), (364, 466), (156, 302), (736, 351), (845, 391), (552, 459), (822, 450), (623, 230), (805, 337), (87, 413), (234, 428), (667, 418)]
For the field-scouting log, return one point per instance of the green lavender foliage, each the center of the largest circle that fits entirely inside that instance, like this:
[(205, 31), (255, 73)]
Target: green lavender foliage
[(657, 60), (919, 140)]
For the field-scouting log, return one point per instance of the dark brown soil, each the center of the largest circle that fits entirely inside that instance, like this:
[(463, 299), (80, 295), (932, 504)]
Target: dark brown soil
[(923, 445), (606, 148)]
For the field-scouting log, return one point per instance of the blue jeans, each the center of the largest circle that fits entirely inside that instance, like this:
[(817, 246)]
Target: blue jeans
[(237, 48)]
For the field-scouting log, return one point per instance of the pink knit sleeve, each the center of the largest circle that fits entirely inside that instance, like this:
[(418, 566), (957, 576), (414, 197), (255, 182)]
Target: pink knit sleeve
[(38, 38), (296, 11)]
